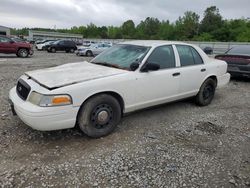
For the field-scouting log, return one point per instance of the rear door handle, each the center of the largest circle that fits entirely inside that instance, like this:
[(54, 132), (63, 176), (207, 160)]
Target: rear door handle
[(176, 74), (203, 70)]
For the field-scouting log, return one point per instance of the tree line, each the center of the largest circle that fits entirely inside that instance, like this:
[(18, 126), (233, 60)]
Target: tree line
[(212, 27)]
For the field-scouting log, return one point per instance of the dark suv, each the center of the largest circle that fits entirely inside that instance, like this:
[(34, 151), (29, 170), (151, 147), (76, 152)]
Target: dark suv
[(10, 46), (62, 45)]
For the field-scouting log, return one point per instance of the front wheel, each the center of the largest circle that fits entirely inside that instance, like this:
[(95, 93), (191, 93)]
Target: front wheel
[(99, 116), (22, 53), (53, 50), (89, 53), (206, 93)]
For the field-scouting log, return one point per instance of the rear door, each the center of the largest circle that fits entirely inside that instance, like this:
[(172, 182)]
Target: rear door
[(192, 70)]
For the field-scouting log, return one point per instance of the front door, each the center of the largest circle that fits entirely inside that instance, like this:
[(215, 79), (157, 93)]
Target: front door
[(156, 87), (6, 46)]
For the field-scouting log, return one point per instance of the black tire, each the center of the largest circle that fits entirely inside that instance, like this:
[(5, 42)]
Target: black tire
[(53, 50), (206, 92), (99, 116), (72, 50), (89, 53), (23, 53)]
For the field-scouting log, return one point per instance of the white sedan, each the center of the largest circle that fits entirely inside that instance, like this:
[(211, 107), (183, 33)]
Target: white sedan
[(93, 49), (125, 78), (40, 46)]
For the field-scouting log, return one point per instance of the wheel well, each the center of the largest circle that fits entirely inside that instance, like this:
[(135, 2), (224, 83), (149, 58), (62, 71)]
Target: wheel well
[(89, 51), (112, 93), (214, 78), (22, 48)]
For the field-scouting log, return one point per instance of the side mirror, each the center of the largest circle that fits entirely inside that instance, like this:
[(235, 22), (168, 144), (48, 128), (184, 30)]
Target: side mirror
[(12, 41), (150, 67), (134, 66)]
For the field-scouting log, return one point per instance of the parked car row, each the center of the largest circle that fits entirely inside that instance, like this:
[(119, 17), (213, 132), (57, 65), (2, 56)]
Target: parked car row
[(87, 48), (237, 58)]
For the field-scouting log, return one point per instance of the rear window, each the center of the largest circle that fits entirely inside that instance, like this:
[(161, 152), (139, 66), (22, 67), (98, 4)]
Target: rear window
[(239, 50)]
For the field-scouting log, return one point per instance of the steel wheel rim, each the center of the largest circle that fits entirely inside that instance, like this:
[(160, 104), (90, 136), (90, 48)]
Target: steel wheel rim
[(102, 116), (208, 92), (24, 53)]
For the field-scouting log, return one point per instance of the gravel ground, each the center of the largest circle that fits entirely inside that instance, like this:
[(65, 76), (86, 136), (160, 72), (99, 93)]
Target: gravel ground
[(173, 145)]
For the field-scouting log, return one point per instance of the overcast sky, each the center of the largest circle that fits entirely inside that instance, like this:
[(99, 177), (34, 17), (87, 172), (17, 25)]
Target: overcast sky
[(68, 13)]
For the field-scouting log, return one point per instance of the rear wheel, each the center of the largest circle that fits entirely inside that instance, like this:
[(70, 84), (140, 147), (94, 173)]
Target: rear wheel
[(72, 50), (206, 93), (23, 52), (99, 116)]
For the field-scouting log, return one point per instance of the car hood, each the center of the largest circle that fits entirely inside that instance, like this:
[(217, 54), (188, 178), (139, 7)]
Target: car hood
[(71, 73)]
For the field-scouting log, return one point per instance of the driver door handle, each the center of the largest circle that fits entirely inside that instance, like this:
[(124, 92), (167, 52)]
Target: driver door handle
[(203, 70), (176, 74)]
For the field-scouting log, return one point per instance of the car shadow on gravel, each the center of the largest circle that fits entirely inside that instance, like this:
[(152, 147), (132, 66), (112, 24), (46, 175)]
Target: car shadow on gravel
[(11, 57)]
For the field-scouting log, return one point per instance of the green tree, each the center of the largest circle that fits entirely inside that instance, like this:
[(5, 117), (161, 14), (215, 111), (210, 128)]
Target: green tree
[(187, 26), (212, 20), (128, 29), (166, 31), (148, 29)]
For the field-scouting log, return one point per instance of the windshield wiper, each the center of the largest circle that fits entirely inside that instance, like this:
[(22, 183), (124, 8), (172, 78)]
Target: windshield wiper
[(107, 64)]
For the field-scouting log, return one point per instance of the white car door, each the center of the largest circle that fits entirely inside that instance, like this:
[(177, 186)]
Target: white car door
[(192, 70), (156, 87)]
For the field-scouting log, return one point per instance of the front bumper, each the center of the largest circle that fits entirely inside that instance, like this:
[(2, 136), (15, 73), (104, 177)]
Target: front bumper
[(80, 53), (31, 52), (43, 118)]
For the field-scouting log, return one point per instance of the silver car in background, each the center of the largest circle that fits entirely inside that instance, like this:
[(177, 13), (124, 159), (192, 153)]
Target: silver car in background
[(93, 49)]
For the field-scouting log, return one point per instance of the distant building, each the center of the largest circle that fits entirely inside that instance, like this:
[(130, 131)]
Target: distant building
[(34, 35), (4, 30)]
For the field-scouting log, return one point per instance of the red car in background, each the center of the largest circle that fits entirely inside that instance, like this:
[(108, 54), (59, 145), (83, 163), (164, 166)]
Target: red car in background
[(238, 60), (10, 46)]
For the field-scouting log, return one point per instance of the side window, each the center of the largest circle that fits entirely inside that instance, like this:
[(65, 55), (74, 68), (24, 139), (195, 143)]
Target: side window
[(61, 43), (188, 56), (163, 56), (197, 58), (185, 54), (3, 39)]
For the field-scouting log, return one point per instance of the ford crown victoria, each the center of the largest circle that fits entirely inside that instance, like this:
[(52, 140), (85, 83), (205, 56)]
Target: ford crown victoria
[(125, 78)]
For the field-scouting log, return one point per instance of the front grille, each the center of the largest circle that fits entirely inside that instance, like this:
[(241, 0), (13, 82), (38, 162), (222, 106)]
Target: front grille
[(22, 89)]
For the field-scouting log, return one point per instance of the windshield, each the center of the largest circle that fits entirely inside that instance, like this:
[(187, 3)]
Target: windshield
[(122, 55), (18, 40), (56, 42)]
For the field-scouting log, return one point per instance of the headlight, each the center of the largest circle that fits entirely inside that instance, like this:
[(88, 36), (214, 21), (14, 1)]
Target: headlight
[(49, 100)]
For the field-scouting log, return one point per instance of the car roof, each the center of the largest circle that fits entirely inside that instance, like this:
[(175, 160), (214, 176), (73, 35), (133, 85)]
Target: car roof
[(152, 43)]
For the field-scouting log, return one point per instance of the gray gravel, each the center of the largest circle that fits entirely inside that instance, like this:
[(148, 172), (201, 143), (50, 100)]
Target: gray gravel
[(174, 145)]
